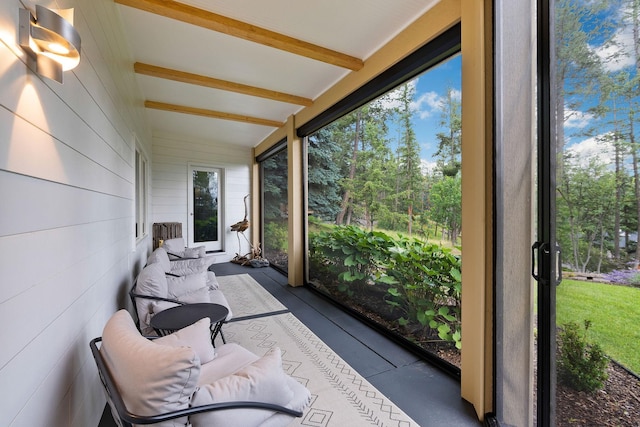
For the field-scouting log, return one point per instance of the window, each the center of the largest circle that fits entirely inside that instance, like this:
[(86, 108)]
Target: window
[(275, 216), (141, 195), (384, 202), (594, 101)]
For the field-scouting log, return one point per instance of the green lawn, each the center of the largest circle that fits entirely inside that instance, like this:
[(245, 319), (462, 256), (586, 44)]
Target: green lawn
[(614, 312)]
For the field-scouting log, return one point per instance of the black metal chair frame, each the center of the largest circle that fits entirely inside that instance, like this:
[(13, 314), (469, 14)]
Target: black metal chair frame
[(133, 295), (128, 419)]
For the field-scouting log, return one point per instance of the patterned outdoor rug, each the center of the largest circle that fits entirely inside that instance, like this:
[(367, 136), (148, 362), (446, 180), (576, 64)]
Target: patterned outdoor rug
[(246, 297), (340, 396)]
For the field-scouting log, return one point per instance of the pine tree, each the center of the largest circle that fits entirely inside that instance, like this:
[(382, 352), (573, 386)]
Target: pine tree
[(449, 150), (323, 175), (409, 166)]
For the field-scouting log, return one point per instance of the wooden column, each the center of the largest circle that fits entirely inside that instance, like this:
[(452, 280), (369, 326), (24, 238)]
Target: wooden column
[(296, 205), (477, 152)]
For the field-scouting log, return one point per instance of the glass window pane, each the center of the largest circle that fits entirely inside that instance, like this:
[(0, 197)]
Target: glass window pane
[(384, 220), (597, 62), (275, 231), (205, 206)]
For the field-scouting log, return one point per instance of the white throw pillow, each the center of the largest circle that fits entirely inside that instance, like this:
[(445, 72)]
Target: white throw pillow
[(159, 256), (196, 336), (212, 282), (197, 252), (151, 281), (158, 306), (262, 381), (199, 295), (183, 267), (174, 246), (152, 379), (177, 286)]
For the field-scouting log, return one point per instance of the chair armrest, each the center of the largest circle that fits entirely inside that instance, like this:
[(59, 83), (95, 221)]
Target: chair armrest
[(179, 257), (155, 298), (129, 418), (153, 419)]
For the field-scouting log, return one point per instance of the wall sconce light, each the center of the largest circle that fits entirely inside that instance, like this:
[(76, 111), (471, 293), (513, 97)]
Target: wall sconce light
[(50, 40)]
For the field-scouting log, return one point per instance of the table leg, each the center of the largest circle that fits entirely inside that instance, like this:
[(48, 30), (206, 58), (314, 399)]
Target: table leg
[(215, 330)]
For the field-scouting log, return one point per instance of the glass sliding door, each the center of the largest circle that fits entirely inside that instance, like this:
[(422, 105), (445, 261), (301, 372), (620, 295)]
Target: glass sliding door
[(275, 218), (588, 334), (205, 196), (545, 249)]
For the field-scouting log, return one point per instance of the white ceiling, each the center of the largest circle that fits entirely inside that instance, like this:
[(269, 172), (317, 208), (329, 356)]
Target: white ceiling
[(354, 27)]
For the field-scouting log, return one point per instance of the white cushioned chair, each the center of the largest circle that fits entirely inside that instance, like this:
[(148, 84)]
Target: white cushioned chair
[(154, 291), (181, 380), (179, 267), (176, 249)]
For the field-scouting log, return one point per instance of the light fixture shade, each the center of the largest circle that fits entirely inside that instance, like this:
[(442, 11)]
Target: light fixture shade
[(51, 41)]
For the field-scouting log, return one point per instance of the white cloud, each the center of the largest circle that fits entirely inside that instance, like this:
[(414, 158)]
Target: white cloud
[(426, 104), (617, 55), (597, 147), (427, 166), (577, 119), (431, 103)]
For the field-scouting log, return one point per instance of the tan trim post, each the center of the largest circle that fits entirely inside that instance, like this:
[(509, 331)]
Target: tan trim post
[(255, 217), (295, 205), (476, 208)]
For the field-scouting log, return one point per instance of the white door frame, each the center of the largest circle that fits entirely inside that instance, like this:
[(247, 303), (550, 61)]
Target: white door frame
[(217, 245)]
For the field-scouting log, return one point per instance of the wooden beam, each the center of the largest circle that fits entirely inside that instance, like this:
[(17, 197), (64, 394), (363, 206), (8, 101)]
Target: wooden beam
[(212, 21), (196, 79), (211, 114)]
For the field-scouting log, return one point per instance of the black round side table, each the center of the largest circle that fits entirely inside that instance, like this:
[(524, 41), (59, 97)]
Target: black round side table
[(172, 319)]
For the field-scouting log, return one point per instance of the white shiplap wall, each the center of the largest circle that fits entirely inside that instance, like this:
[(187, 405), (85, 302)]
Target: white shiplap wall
[(67, 254), (171, 159)]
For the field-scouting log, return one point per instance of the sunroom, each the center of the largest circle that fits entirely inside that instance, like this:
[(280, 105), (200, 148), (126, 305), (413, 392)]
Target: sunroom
[(236, 93)]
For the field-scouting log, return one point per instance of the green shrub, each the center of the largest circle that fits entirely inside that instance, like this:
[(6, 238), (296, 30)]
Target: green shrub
[(276, 235), (349, 253), (581, 366), (421, 280), (426, 284)]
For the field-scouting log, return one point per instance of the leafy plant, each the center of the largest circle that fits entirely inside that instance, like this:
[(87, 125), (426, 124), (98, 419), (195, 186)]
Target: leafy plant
[(581, 365), (277, 234), (422, 280), (351, 254), (426, 284)]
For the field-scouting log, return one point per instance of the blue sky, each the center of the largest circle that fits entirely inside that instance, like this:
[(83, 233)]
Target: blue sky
[(431, 88), (430, 91), (616, 57)]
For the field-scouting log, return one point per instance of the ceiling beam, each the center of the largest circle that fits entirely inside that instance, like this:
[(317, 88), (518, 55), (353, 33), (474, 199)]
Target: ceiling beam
[(203, 18), (211, 114), (196, 79)]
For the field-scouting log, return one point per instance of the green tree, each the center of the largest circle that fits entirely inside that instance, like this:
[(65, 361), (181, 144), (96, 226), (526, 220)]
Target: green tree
[(445, 199), (409, 178), (631, 18), (323, 175), (274, 186), (578, 26), (449, 150), (587, 200), (365, 148)]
